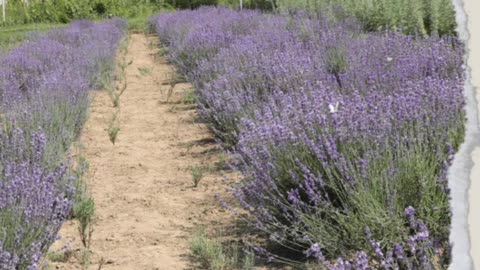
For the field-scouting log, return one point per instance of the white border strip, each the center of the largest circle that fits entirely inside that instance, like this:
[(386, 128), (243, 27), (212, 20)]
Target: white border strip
[(459, 172)]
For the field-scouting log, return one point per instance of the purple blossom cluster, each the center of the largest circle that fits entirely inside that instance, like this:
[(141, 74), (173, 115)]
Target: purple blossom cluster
[(333, 129), (190, 41), (44, 86)]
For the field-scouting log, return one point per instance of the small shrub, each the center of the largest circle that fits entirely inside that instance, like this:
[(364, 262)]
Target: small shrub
[(61, 256), (80, 183), (116, 100), (112, 133), (85, 259), (197, 175), (189, 97), (84, 212), (212, 254), (113, 128), (209, 252), (144, 71)]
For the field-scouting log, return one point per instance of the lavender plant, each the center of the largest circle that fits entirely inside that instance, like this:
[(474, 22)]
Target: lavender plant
[(414, 255), (421, 17), (44, 87), (34, 199), (189, 44), (333, 129)]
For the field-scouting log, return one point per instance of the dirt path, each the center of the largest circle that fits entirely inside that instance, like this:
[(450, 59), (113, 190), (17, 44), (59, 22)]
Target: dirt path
[(146, 206)]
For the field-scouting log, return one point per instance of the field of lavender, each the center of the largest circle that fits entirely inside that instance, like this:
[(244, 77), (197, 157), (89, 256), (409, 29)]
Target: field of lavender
[(343, 137), (420, 17), (44, 85)]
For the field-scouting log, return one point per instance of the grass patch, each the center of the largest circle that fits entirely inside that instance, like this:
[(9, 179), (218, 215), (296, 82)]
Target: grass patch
[(144, 71), (112, 133), (197, 175), (212, 254), (221, 164), (11, 36), (138, 24), (189, 97), (60, 256)]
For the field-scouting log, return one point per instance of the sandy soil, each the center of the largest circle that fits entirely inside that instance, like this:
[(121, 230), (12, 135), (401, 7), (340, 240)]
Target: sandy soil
[(146, 206)]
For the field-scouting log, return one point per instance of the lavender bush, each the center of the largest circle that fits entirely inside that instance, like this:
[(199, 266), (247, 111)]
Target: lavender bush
[(421, 17), (191, 40), (334, 130), (415, 255), (44, 87)]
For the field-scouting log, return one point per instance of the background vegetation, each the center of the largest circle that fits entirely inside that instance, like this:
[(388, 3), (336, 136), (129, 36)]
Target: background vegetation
[(412, 16), (11, 36), (63, 11), (423, 17)]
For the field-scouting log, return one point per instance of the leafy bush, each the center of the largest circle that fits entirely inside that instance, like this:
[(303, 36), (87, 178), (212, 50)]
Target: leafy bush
[(63, 11)]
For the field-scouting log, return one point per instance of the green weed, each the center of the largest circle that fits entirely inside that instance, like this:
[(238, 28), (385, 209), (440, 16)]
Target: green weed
[(197, 175), (189, 97), (114, 128), (212, 254), (85, 259), (115, 99), (221, 164), (209, 253), (144, 71), (61, 256), (112, 133), (84, 212), (163, 52), (80, 184)]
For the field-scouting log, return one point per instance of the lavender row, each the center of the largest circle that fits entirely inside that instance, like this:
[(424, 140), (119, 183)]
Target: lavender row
[(334, 130), (44, 85)]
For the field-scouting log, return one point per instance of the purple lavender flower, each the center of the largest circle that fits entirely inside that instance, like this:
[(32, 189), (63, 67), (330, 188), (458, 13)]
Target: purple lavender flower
[(326, 122), (44, 86), (315, 252), (361, 261)]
